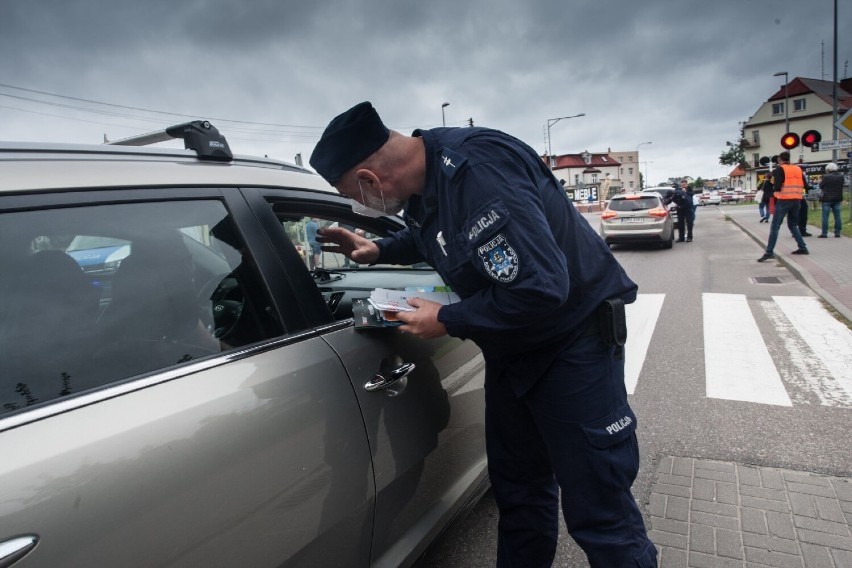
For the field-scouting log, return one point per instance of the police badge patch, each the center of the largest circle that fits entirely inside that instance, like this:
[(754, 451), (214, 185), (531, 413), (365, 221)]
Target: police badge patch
[(499, 258)]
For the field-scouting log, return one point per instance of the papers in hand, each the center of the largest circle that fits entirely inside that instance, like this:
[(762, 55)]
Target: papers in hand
[(378, 311), (397, 300)]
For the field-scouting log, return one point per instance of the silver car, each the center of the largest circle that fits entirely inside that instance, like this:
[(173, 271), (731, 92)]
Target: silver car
[(637, 218), (178, 387)]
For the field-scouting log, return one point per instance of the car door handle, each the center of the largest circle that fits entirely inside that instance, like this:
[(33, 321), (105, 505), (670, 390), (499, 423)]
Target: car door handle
[(386, 378), (14, 549)]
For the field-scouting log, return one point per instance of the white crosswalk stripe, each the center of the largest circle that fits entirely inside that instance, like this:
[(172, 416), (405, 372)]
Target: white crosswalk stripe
[(806, 356), (829, 343), (641, 320), (737, 364)]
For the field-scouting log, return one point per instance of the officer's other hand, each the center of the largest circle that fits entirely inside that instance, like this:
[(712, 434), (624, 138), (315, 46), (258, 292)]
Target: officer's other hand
[(423, 322), (347, 243)]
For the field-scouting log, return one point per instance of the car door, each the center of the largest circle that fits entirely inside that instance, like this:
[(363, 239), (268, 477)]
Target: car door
[(232, 438), (425, 428)]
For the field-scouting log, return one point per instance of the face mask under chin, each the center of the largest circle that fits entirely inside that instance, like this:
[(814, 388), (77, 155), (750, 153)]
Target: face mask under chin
[(373, 207), (366, 211)]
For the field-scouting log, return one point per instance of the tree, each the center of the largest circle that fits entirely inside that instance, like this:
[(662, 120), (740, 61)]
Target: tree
[(735, 155), (698, 183)]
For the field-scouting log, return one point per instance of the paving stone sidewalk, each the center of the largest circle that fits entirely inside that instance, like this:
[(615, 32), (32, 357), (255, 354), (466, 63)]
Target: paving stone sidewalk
[(708, 513)]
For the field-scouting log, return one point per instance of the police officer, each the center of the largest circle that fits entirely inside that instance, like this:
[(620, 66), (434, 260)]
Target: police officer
[(543, 298), (685, 216)]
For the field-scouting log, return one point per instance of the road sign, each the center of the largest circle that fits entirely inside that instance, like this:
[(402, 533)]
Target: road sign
[(835, 144), (845, 123)]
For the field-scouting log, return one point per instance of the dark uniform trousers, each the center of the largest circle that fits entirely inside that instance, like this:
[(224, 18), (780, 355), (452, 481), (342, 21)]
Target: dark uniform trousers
[(575, 417), (685, 220)]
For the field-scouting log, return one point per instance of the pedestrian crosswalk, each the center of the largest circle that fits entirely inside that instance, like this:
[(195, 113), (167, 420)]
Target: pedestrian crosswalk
[(804, 355)]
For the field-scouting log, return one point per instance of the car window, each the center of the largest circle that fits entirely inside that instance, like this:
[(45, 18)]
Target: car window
[(638, 204), (335, 278), (98, 294), (302, 231)]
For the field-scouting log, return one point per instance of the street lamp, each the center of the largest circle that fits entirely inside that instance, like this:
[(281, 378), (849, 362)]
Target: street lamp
[(637, 159), (551, 122), (646, 171), (786, 101), (443, 119)]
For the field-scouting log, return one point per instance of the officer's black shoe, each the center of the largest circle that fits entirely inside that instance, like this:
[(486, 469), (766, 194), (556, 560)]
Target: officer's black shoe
[(806, 234), (689, 239), (765, 256), (822, 236), (679, 241), (800, 251)]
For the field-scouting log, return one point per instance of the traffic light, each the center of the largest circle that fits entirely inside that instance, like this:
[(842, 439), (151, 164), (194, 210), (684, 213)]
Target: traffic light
[(764, 161), (790, 140), (811, 138)]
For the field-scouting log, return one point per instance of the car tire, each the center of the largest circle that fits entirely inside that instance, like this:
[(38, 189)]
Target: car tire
[(669, 243)]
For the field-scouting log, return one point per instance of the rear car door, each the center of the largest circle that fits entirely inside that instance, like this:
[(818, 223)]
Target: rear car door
[(163, 400), (426, 430)]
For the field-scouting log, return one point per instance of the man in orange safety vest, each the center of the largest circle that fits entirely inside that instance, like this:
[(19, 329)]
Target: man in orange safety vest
[(788, 185)]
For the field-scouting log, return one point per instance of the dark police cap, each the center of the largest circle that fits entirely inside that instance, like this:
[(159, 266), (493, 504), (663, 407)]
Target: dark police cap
[(347, 140)]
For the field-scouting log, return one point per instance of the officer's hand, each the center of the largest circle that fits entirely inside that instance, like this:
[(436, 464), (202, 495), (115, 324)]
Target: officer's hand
[(352, 245), (423, 322)]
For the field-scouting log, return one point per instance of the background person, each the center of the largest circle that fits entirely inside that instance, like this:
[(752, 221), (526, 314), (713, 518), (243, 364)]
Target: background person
[(831, 196), (542, 296), (788, 183), (802, 219), (311, 228), (764, 194)]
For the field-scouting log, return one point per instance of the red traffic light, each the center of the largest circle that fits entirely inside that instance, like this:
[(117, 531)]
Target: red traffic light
[(811, 138), (790, 140)]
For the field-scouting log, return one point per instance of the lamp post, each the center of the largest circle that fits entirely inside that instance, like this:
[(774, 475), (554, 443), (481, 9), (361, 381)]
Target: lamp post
[(786, 101), (551, 122), (443, 119), (637, 159), (646, 171)]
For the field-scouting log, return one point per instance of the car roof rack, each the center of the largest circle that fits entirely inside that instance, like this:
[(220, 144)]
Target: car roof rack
[(198, 135)]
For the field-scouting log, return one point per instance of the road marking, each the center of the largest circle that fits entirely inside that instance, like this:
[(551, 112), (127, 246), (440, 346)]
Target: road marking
[(829, 341), (736, 361), (642, 318)]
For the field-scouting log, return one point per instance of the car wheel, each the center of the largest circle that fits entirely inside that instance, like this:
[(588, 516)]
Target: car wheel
[(669, 243)]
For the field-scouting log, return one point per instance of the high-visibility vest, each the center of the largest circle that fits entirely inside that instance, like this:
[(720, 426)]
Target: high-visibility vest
[(794, 183)]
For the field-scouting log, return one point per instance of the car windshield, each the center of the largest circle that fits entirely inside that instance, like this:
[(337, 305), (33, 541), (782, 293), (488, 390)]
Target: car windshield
[(637, 204)]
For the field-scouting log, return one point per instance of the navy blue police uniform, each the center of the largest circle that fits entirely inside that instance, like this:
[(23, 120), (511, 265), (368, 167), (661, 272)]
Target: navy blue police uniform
[(496, 225), (684, 213)]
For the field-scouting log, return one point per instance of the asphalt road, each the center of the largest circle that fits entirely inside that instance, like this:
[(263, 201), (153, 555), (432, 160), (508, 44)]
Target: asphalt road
[(676, 415)]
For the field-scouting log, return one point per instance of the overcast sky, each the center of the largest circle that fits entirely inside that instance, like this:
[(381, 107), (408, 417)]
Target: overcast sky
[(678, 73)]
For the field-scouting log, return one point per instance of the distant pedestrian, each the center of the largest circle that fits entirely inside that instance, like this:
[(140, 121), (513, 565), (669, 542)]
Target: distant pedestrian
[(831, 195), (764, 194), (311, 229), (695, 202), (788, 182)]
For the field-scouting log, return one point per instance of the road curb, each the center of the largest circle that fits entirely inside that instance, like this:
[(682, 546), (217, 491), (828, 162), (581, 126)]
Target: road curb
[(799, 272)]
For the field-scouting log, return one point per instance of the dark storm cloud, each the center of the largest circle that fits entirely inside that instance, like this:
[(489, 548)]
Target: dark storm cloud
[(680, 74)]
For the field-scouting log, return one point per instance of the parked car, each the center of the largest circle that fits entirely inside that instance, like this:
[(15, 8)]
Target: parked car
[(178, 389), (637, 217), (731, 196), (664, 194), (710, 198)]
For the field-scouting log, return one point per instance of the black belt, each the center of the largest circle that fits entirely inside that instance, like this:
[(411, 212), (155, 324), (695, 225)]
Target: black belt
[(593, 325)]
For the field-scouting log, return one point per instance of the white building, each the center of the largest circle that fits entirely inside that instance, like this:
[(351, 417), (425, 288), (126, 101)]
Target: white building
[(807, 104)]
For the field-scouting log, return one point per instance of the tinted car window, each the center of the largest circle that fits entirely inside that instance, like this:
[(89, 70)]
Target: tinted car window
[(98, 294), (639, 204)]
